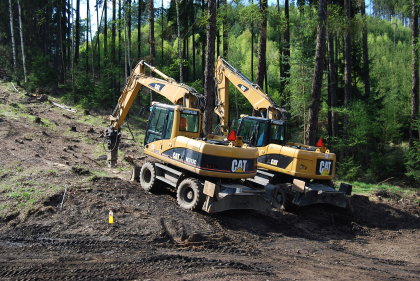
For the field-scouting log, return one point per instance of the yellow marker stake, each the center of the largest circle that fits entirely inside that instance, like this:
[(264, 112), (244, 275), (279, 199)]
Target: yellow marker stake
[(111, 217)]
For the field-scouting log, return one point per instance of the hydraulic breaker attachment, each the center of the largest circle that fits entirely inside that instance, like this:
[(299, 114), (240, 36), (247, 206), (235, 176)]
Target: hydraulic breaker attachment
[(112, 141)]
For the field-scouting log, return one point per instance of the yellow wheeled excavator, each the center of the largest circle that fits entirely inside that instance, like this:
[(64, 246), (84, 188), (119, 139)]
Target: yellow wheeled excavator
[(205, 172), (302, 174)]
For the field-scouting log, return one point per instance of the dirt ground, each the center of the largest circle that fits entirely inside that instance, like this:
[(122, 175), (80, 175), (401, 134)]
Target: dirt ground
[(54, 164)]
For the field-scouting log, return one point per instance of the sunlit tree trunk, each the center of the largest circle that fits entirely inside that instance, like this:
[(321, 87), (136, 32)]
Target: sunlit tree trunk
[(178, 29), (366, 76), (332, 87), (139, 31), (87, 36), (209, 87), (317, 78), (12, 35), (152, 48), (252, 47), (105, 29), (347, 54), (22, 44), (98, 42), (128, 16), (285, 64)]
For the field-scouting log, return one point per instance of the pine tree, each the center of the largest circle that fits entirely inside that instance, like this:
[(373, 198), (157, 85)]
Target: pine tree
[(317, 78), (12, 35), (262, 46), (209, 87)]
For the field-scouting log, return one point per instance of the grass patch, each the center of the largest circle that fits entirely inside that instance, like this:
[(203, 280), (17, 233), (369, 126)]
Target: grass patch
[(369, 189)]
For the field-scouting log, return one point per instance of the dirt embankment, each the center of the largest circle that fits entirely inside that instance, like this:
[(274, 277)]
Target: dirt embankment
[(152, 237)]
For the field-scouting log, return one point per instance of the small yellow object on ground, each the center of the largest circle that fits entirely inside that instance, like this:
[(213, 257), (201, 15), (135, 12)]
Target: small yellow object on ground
[(111, 217)]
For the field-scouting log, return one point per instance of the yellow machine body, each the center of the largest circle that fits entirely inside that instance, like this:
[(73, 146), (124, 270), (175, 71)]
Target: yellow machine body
[(182, 147)]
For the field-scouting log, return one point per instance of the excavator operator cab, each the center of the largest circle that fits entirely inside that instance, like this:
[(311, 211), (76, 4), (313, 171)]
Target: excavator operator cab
[(169, 121), (257, 131)]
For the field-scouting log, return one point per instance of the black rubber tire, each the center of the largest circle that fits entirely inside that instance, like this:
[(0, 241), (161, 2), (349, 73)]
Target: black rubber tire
[(189, 194), (284, 198), (148, 179)]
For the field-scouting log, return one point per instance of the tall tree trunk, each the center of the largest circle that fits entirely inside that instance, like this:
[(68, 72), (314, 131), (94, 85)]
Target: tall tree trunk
[(317, 78), (113, 45), (77, 43), (332, 87), (366, 76), (178, 29), (252, 47), (414, 130), (161, 33), (87, 36), (209, 87), (280, 45), (285, 65), (262, 61), (12, 35), (193, 39), (105, 30), (120, 40), (129, 33), (22, 44), (98, 42), (69, 36), (139, 31), (113, 31), (347, 54), (60, 54), (152, 48), (92, 55), (225, 30), (217, 32), (203, 45)]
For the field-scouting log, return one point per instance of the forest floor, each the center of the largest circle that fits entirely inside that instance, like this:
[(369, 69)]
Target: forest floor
[(56, 192)]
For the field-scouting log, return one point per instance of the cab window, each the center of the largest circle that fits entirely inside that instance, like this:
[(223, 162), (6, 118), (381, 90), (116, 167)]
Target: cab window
[(160, 125), (245, 129), (189, 121), (277, 135)]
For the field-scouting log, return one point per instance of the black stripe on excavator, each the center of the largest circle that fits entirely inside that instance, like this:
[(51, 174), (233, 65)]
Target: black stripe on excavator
[(211, 162), (276, 160)]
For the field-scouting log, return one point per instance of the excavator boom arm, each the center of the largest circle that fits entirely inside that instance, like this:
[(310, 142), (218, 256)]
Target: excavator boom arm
[(259, 100)]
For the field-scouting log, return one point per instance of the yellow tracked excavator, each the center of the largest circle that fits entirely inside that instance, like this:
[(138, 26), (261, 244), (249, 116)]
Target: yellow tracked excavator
[(205, 172), (302, 174)]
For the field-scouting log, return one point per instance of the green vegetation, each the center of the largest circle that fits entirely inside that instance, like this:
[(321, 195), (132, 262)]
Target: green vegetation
[(371, 189)]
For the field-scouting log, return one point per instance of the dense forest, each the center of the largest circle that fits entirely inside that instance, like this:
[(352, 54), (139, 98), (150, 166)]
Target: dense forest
[(342, 74)]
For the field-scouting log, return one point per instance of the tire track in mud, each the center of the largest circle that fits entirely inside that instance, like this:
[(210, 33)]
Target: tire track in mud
[(109, 268)]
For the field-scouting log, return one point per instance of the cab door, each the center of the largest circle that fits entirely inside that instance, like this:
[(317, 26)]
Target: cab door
[(159, 126)]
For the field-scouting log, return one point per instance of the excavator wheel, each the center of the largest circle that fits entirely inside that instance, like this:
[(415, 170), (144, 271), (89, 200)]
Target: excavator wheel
[(190, 194), (148, 179), (284, 199)]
